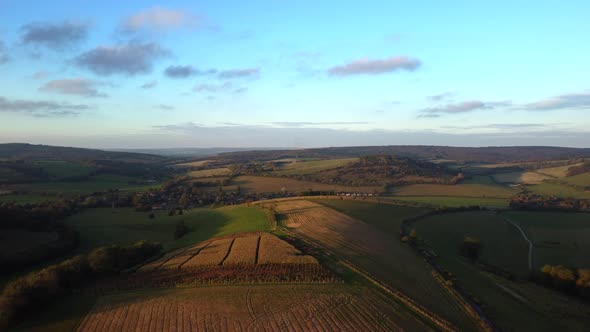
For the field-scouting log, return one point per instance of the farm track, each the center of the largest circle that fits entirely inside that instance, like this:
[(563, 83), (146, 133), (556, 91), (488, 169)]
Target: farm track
[(252, 308), (381, 257), (526, 238)]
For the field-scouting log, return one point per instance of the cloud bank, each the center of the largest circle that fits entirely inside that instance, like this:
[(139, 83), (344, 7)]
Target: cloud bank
[(75, 86), (40, 108), (376, 66), (161, 19), (55, 36), (127, 59)]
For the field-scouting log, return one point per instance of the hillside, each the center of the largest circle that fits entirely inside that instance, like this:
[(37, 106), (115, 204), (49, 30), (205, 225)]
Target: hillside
[(463, 154), (30, 152)]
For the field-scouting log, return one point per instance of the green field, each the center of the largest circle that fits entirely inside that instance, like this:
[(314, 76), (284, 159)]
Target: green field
[(458, 190), (559, 190), (514, 306), (64, 169), (582, 180), (100, 227), (96, 183), (559, 238), (308, 167), (450, 201), (210, 172), (387, 217), (27, 198)]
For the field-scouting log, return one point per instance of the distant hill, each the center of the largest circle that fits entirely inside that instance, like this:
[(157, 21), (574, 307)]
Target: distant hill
[(30, 152), (461, 154), (191, 152)]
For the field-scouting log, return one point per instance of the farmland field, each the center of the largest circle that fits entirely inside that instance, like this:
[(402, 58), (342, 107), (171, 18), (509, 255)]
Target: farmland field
[(559, 238), (451, 201), (459, 190), (382, 255), (559, 190), (513, 305), (93, 184), (251, 308), (387, 217), (582, 180), (261, 184), (210, 172), (307, 167), (64, 169), (521, 177), (198, 163), (502, 243), (242, 258), (99, 227), (27, 198)]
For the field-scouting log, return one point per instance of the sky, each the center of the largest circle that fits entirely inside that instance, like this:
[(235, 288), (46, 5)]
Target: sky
[(145, 74)]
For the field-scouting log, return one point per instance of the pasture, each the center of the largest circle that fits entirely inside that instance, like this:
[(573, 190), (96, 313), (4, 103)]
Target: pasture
[(557, 189), (16, 241), (458, 190), (264, 184), (559, 238), (198, 163), (582, 180), (502, 244), (124, 226), (380, 254), (251, 308), (296, 167)]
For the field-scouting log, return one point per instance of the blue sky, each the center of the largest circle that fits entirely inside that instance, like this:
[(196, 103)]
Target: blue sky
[(139, 74)]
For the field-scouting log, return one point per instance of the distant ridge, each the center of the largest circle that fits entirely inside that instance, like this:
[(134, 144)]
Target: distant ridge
[(31, 152)]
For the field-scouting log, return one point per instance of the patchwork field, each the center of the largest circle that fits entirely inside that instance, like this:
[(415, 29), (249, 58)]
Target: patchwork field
[(582, 180), (559, 238), (124, 226), (262, 184), (251, 308), (459, 190), (194, 163), (382, 255)]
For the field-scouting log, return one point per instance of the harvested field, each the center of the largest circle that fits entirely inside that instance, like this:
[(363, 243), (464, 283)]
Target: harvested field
[(197, 163), (382, 255), (249, 257), (251, 308)]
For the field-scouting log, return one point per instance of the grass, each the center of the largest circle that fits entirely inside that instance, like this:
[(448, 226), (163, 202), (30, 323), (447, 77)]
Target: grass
[(262, 184), (450, 201), (386, 217), (459, 190), (514, 306), (64, 169), (560, 238), (14, 242), (559, 190), (521, 177), (308, 167), (502, 243), (27, 198), (578, 180), (210, 172), (100, 227), (479, 179), (96, 183)]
